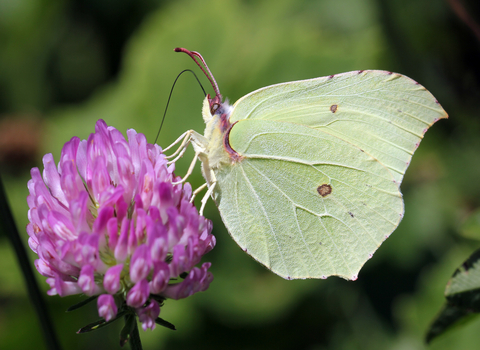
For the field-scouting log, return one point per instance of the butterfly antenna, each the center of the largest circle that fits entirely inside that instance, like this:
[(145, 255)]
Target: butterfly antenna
[(170, 96), (217, 100)]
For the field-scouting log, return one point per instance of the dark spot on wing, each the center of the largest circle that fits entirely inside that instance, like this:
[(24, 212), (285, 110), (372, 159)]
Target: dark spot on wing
[(324, 190), (333, 108), (351, 214)]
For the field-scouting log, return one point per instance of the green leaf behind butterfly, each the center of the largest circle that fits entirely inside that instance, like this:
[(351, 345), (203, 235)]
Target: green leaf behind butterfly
[(463, 289), (463, 298)]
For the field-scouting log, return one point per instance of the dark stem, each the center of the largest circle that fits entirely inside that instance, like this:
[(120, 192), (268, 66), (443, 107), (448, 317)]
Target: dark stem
[(7, 224), (135, 343), (459, 8)]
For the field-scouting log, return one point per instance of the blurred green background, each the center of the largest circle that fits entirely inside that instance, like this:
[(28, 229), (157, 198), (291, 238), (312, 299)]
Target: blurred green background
[(66, 63)]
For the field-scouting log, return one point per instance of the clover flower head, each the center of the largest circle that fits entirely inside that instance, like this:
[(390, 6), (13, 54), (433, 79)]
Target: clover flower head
[(109, 221)]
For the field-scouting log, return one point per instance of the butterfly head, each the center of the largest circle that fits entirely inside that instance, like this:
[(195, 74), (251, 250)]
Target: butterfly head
[(216, 115), (213, 108)]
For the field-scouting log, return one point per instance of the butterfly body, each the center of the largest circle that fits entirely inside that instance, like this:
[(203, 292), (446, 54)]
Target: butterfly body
[(217, 127)]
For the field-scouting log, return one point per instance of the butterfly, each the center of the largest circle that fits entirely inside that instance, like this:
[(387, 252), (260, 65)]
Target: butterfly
[(306, 174)]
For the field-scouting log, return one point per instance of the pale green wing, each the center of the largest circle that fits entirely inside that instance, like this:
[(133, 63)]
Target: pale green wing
[(383, 113), (351, 134), (276, 203)]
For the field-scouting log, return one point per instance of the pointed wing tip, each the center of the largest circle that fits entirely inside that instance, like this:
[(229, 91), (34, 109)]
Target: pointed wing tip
[(443, 115)]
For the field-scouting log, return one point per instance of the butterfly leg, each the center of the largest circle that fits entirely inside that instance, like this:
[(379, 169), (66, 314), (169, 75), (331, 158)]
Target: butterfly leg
[(190, 170), (185, 138), (197, 191), (206, 196), (182, 149)]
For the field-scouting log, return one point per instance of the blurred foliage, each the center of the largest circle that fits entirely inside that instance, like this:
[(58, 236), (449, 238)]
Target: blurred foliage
[(471, 226), (65, 64)]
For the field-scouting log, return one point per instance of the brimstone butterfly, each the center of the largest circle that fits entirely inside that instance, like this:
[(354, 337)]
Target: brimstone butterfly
[(307, 174)]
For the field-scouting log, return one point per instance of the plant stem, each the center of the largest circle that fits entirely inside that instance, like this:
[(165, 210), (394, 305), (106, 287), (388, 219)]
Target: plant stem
[(7, 224)]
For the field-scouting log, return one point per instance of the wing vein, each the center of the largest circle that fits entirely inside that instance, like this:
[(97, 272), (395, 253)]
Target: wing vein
[(265, 214)]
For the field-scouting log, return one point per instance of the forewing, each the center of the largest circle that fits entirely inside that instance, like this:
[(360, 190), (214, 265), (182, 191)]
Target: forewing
[(304, 203), (383, 113)]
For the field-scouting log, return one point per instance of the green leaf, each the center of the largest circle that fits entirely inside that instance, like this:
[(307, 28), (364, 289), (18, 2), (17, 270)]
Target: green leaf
[(99, 324), (450, 317), (82, 303), (463, 289), (463, 298), (92, 326), (162, 322)]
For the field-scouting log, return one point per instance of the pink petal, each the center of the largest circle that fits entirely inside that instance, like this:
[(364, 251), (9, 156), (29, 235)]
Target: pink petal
[(107, 307)]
